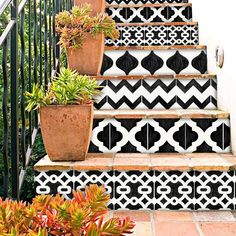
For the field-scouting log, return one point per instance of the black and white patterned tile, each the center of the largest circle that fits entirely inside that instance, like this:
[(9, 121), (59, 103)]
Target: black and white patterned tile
[(156, 35), (174, 190), (53, 182), (147, 62), (105, 178), (215, 190), (147, 14), (117, 2), (157, 94), (160, 136), (136, 190)]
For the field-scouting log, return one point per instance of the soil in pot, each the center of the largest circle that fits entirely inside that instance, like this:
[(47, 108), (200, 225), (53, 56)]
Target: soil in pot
[(98, 6), (88, 59), (66, 131)]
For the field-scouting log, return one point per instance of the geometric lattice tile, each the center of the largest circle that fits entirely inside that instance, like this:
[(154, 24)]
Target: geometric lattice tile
[(85, 178), (215, 190), (136, 190), (53, 182), (156, 35), (174, 190), (148, 62), (160, 135)]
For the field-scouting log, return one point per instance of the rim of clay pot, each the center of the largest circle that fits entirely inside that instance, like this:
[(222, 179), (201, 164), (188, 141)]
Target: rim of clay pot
[(69, 105)]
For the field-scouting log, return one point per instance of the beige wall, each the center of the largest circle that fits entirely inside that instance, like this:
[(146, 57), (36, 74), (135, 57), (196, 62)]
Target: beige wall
[(217, 25)]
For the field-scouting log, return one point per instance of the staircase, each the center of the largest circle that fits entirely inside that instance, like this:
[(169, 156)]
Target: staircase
[(158, 141)]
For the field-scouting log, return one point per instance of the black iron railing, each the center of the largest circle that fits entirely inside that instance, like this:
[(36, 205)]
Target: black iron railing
[(29, 54)]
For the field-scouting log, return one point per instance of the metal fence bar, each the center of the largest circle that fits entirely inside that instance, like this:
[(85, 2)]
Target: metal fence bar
[(39, 52), (14, 103)]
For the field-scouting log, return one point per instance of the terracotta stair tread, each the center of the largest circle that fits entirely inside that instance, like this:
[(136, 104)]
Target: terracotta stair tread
[(157, 24), (176, 47), (148, 5), (145, 162), (166, 114), (171, 76)]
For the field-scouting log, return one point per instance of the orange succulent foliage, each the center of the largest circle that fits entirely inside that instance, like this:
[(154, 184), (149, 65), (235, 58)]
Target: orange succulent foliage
[(51, 216)]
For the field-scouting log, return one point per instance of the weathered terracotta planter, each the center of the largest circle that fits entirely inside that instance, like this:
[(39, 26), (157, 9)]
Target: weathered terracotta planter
[(66, 131), (98, 6), (88, 59)]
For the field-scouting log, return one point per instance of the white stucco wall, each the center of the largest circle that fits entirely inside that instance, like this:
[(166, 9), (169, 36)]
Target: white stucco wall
[(217, 25)]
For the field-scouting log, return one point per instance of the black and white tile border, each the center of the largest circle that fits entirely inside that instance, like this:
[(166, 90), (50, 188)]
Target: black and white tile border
[(114, 2), (157, 94), (160, 135), (158, 35), (135, 190), (148, 62), (148, 14)]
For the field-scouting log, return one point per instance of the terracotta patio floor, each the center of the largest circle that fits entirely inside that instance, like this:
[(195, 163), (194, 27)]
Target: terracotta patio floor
[(171, 223)]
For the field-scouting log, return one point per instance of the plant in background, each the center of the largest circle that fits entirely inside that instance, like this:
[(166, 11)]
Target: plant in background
[(72, 26), (69, 88), (51, 216)]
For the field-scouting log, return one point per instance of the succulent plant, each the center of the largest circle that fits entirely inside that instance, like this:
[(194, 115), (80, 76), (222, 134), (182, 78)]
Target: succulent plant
[(52, 216), (72, 26)]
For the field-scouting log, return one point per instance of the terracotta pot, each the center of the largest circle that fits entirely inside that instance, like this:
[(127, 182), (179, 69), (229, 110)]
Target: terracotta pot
[(88, 59), (98, 6), (66, 131)]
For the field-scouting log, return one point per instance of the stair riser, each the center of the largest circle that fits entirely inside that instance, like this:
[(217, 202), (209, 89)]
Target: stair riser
[(156, 35), (151, 14), (160, 135), (117, 2), (157, 94), (138, 190), (148, 62)]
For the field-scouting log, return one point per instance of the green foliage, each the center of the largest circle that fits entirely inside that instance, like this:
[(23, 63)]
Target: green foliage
[(72, 26), (66, 89), (53, 216)]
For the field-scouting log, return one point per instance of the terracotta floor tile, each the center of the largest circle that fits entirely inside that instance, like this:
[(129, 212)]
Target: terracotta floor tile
[(143, 229), (218, 229), (175, 229), (134, 215), (214, 216), (94, 164), (173, 216), (168, 164), (131, 164)]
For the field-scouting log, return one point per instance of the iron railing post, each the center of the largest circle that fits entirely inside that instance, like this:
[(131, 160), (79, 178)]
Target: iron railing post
[(14, 103)]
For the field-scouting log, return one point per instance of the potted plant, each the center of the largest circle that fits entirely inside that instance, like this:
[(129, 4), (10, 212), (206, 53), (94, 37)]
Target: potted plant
[(53, 216), (83, 38), (98, 5), (66, 114)]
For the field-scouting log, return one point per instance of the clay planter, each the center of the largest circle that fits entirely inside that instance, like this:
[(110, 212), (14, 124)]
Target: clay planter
[(66, 131), (88, 59), (98, 6)]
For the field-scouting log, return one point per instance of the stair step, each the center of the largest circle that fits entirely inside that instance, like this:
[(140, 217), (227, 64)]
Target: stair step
[(160, 131), (144, 162), (118, 2), (157, 92), (152, 60), (143, 13), (156, 34), (189, 182)]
